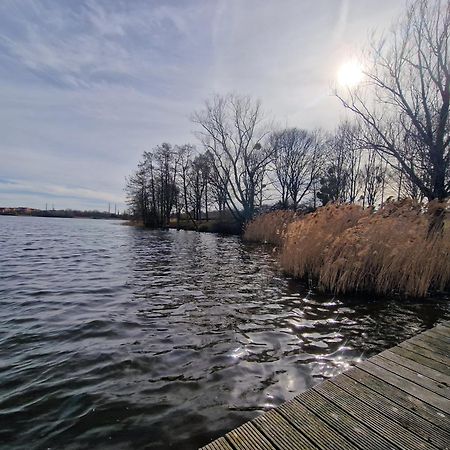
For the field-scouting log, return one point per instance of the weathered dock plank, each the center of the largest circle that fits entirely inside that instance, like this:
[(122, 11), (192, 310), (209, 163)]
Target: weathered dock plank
[(442, 330), (323, 435), (405, 417), (399, 399), (379, 423), (220, 444), (408, 386), (443, 326), (247, 437), (435, 344), (425, 351), (281, 432), (412, 363), (439, 336), (431, 359), (341, 421), (435, 350), (411, 375)]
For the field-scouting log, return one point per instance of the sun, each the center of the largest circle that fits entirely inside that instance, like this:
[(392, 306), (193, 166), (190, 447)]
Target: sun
[(350, 74)]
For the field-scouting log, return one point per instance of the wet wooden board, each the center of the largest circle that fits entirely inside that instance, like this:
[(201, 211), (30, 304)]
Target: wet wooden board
[(410, 387), (247, 437), (399, 399), (342, 422)]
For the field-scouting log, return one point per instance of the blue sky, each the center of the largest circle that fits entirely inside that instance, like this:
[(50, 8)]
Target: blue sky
[(87, 86)]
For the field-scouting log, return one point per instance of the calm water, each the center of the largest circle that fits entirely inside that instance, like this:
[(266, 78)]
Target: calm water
[(114, 337)]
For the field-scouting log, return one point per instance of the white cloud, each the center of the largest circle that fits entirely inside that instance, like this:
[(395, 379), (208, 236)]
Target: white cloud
[(9, 186), (86, 86), (96, 42)]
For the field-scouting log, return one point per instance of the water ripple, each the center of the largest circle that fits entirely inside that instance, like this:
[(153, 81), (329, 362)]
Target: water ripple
[(114, 337)]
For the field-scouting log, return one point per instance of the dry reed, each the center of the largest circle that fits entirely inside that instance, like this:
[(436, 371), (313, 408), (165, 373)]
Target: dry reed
[(348, 249), (389, 251), (270, 227), (306, 240)]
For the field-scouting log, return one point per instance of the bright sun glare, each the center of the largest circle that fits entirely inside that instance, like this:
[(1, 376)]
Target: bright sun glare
[(350, 74)]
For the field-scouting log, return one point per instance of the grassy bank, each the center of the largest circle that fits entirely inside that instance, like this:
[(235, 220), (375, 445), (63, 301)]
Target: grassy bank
[(347, 249)]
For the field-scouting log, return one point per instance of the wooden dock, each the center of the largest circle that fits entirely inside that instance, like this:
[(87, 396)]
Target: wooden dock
[(398, 399)]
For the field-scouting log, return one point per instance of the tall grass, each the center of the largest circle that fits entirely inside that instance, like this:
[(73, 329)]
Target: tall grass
[(270, 227), (346, 248), (306, 240), (389, 251)]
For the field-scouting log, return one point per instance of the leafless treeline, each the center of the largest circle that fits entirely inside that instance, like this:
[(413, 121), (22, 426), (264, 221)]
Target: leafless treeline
[(244, 166), (396, 144)]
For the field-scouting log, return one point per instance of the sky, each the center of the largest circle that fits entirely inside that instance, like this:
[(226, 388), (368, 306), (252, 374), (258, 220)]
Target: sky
[(86, 86)]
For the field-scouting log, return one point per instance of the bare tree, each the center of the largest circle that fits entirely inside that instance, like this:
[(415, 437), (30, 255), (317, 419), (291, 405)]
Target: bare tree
[(218, 189), (198, 182), (404, 101), (405, 187), (347, 139), (185, 153), (231, 130), (167, 161), (298, 155), (137, 191), (334, 180), (152, 192), (373, 176)]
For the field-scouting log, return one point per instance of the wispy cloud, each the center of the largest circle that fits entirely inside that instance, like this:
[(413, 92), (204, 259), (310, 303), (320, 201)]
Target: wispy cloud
[(51, 191), (80, 44), (87, 85)]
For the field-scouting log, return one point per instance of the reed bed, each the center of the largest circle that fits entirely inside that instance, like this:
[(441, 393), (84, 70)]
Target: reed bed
[(388, 252), (348, 249), (270, 228), (306, 240)]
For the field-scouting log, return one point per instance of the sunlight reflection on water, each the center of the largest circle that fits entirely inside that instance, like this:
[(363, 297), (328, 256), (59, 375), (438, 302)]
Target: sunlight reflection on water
[(118, 337)]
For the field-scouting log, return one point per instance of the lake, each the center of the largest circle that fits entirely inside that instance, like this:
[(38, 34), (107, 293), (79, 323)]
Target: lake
[(116, 337)]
